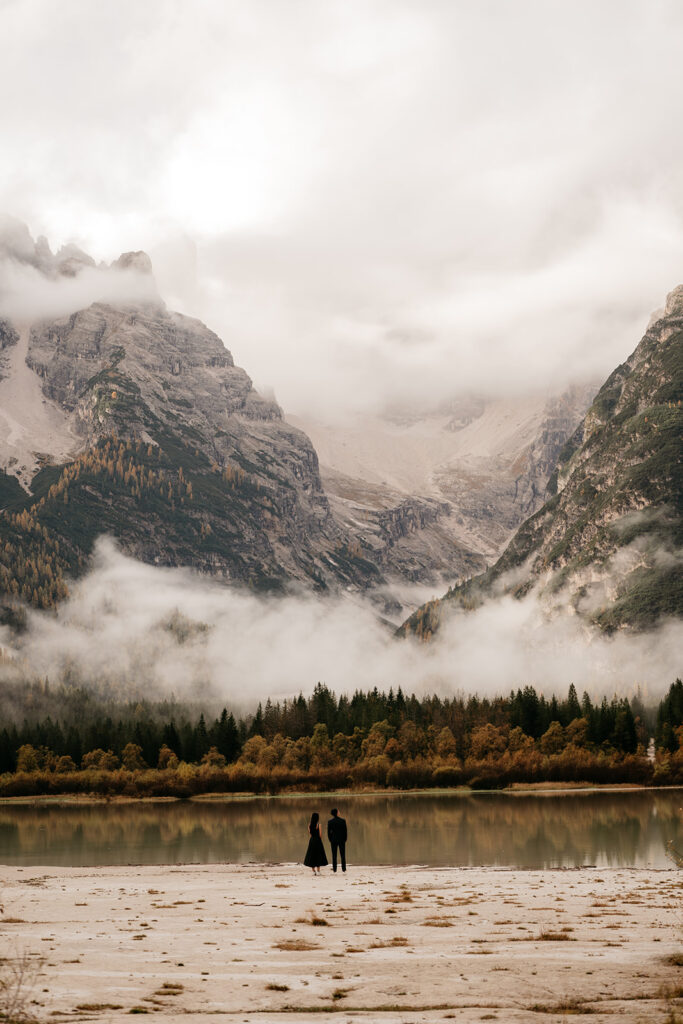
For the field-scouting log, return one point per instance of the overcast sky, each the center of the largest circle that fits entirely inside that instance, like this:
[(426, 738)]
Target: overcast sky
[(369, 200)]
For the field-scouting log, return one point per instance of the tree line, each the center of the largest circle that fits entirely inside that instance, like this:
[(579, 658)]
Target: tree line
[(371, 738)]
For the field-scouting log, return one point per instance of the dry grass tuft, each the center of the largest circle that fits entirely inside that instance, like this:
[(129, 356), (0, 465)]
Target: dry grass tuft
[(99, 1006), (566, 1008), (295, 945), (398, 940), (170, 988), (314, 919), (404, 896)]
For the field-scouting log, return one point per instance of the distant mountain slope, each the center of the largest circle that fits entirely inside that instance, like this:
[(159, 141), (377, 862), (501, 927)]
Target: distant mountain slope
[(437, 495), (607, 544)]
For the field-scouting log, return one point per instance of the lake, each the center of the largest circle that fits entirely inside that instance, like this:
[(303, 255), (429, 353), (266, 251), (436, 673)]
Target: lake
[(524, 830)]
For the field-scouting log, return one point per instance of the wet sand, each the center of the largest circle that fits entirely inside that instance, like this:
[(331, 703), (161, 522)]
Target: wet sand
[(384, 944)]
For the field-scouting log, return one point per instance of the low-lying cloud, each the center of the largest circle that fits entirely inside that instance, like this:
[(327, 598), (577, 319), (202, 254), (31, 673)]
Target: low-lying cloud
[(142, 630), (26, 294)]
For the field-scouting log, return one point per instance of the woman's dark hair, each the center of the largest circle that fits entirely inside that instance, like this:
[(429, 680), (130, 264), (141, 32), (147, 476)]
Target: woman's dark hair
[(313, 822)]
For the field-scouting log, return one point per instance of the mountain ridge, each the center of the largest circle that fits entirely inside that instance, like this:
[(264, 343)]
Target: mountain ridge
[(127, 418), (607, 543)]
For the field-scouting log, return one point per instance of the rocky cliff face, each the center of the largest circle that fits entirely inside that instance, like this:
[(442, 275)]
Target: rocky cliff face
[(8, 338), (607, 543), (435, 496), (125, 418), (495, 485), (166, 382)]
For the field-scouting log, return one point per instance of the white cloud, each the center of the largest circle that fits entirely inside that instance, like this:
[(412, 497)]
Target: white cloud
[(390, 199)]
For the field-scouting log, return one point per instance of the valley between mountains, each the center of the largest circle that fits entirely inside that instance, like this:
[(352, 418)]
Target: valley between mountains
[(126, 419)]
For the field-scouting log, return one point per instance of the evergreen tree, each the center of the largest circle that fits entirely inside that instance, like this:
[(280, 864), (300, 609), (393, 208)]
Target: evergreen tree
[(171, 739), (573, 706), (256, 727), (226, 738)]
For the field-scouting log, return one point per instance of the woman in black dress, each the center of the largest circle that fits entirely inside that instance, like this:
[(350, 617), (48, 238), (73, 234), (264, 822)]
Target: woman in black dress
[(315, 858)]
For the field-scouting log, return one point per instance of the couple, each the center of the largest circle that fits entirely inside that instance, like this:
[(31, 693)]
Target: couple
[(316, 858)]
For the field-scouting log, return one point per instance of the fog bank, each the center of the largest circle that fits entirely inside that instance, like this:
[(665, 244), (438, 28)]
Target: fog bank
[(147, 631), (26, 294)]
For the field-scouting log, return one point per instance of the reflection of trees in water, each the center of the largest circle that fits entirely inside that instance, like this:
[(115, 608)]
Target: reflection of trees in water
[(523, 830)]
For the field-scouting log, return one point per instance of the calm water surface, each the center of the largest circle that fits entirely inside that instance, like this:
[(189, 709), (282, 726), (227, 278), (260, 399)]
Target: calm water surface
[(520, 830)]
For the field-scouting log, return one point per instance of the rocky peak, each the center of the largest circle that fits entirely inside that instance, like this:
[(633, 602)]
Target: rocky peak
[(138, 261), (17, 244), (674, 302), (71, 260)]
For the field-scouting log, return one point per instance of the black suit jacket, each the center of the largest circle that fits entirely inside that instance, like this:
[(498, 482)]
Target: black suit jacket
[(336, 830)]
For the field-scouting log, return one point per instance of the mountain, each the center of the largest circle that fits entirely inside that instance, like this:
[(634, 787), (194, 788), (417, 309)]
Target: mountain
[(131, 420), (607, 544), (437, 494), (125, 418)]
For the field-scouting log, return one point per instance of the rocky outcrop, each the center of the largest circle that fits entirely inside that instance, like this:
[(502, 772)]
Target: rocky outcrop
[(413, 541), (8, 337)]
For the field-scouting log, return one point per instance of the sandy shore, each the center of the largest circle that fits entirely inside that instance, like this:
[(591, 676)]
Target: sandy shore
[(273, 944)]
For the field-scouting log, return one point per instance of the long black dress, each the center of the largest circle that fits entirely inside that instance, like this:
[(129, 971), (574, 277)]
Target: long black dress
[(315, 854)]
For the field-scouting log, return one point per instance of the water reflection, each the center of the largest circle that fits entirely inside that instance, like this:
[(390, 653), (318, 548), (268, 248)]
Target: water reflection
[(531, 831)]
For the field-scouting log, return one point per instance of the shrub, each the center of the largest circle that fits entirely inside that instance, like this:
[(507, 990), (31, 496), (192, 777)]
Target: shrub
[(98, 758), (409, 774), (131, 758), (447, 775), (168, 759), (213, 759), (27, 759)]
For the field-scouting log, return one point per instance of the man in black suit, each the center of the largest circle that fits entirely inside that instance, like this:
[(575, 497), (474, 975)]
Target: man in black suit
[(336, 833)]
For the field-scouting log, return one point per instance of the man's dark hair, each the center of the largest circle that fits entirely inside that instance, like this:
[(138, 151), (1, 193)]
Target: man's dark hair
[(334, 812)]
